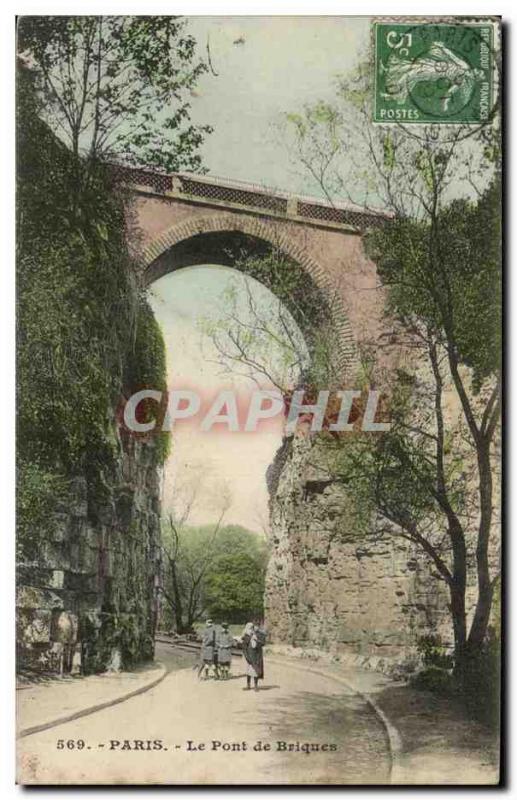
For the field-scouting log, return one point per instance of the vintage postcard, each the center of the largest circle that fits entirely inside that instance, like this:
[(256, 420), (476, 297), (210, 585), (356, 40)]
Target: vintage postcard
[(259, 331)]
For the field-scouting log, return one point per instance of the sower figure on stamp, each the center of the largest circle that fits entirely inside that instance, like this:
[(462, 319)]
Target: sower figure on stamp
[(224, 643), (253, 640), (207, 658)]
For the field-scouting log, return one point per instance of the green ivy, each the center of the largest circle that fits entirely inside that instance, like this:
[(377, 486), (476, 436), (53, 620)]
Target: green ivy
[(82, 324), (147, 368)]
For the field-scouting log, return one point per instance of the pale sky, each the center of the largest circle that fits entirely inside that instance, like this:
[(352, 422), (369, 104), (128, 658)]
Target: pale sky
[(282, 64), (215, 463)]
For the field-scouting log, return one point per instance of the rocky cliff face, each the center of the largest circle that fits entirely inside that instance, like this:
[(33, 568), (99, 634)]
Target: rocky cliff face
[(87, 600), (328, 586)]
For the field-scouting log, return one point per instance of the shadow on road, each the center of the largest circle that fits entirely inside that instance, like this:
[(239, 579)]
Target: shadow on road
[(261, 688), (343, 720), (267, 687), (428, 721)]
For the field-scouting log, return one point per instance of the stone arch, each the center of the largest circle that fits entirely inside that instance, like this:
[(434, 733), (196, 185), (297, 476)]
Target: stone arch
[(259, 229)]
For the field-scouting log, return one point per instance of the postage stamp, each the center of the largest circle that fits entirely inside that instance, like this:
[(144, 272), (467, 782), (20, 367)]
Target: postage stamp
[(428, 72)]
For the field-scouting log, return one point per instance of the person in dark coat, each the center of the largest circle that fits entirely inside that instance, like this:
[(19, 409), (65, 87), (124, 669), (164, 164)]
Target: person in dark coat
[(253, 640), (208, 652), (224, 644)]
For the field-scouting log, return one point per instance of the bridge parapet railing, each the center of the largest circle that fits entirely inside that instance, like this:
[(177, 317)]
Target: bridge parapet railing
[(256, 199)]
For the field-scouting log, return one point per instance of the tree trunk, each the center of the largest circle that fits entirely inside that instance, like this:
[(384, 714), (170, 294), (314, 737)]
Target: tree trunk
[(178, 606), (478, 629), (457, 588), (459, 621)]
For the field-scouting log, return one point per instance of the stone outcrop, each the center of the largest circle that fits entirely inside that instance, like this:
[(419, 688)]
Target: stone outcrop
[(329, 586), (87, 600)]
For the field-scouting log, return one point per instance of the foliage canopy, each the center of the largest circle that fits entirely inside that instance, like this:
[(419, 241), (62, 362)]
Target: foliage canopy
[(117, 87)]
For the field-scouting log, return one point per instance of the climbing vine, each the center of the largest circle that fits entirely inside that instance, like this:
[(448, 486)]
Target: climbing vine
[(82, 324)]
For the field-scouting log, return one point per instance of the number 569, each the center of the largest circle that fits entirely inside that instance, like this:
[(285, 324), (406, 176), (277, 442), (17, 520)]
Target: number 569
[(70, 744)]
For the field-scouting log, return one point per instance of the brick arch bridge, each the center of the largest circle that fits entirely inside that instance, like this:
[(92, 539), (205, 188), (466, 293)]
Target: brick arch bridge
[(186, 220), (183, 220)]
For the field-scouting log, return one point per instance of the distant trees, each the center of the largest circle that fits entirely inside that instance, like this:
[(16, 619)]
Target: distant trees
[(186, 560), (211, 570), (234, 586)]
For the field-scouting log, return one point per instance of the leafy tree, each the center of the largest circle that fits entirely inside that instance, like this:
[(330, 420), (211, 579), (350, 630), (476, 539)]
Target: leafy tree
[(444, 282), (234, 586), (117, 87), (387, 168), (432, 479), (212, 569)]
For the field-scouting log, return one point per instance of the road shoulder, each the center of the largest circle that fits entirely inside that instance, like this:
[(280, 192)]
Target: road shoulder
[(46, 703), (432, 740)]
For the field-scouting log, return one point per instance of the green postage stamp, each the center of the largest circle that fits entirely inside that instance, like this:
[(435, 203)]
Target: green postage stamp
[(431, 72)]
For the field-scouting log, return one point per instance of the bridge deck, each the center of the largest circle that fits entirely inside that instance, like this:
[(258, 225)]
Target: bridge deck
[(239, 196)]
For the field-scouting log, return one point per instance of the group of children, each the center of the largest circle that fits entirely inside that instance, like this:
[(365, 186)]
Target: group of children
[(216, 651)]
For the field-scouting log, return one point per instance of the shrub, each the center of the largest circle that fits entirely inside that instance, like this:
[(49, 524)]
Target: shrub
[(434, 679), (433, 652)]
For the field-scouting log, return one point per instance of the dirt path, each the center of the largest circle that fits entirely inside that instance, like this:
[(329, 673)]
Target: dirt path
[(184, 731)]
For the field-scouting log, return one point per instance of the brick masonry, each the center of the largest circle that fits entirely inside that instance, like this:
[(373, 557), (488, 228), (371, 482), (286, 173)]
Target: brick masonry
[(332, 254)]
